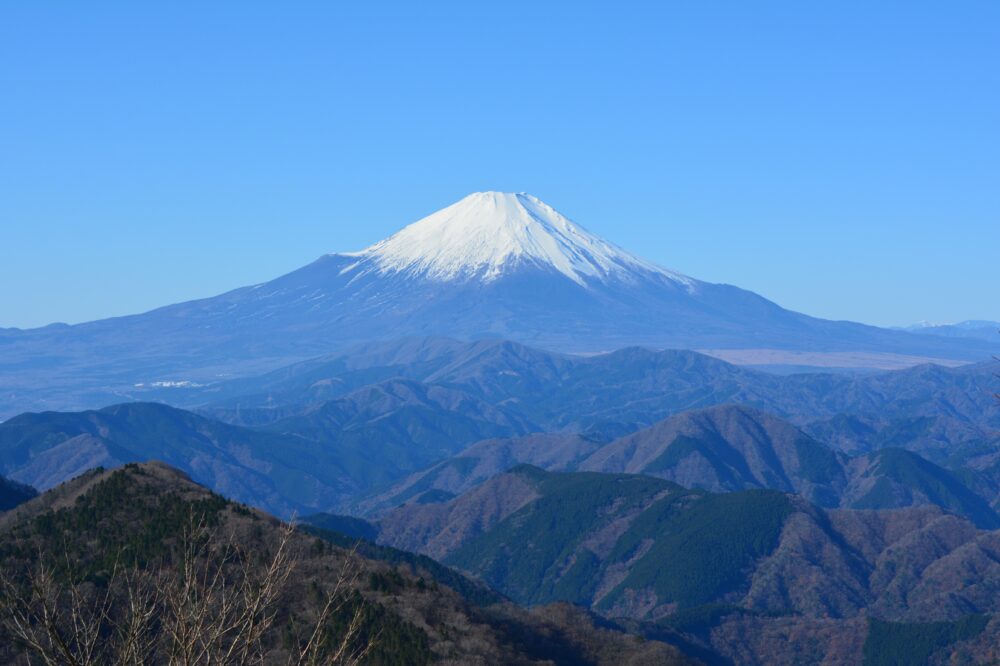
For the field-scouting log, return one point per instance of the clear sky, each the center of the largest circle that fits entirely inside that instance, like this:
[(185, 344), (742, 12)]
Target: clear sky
[(840, 158)]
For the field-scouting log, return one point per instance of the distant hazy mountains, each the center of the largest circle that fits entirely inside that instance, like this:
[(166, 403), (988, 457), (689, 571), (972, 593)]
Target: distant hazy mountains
[(607, 395), (975, 329), (392, 422), (490, 266)]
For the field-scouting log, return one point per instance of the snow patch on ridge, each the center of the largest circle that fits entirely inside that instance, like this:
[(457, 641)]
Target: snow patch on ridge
[(489, 233)]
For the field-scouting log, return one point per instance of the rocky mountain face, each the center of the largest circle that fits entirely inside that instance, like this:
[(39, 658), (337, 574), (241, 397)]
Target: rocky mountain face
[(726, 569), (415, 610), (493, 265)]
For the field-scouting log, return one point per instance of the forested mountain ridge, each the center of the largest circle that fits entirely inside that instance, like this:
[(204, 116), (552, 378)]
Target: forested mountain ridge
[(389, 603), (732, 571)]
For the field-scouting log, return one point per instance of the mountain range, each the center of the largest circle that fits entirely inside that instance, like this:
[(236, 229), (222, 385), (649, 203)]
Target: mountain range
[(749, 577), (720, 449), (755, 576), (493, 265), (734, 571), (535, 443), (441, 416), (927, 407)]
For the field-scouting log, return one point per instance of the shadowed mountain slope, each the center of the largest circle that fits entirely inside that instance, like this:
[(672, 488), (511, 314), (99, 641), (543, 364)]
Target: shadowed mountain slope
[(13, 494)]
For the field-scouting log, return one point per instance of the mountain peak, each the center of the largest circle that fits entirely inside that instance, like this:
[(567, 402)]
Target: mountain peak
[(487, 234)]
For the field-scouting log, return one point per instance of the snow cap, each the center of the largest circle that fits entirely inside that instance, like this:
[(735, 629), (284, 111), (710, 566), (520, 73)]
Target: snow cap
[(487, 234)]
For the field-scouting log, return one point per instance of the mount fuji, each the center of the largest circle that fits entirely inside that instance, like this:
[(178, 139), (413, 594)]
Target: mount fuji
[(493, 265), (490, 235)]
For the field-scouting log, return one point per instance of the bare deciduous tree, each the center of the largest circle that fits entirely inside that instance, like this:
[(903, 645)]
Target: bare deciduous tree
[(213, 605), (344, 652)]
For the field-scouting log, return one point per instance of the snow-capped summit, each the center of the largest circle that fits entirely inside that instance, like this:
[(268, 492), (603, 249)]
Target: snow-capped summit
[(492, 266), (487, 234)]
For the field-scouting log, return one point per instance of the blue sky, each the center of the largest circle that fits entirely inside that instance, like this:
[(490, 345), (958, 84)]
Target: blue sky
[(840, 158)]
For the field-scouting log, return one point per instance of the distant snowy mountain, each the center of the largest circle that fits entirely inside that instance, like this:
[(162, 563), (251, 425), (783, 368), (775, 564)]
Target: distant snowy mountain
[(493, 265), (973, 329), (488, 235)]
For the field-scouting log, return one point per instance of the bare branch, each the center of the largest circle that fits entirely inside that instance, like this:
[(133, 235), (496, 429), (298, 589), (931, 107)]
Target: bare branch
[(214, 603)]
